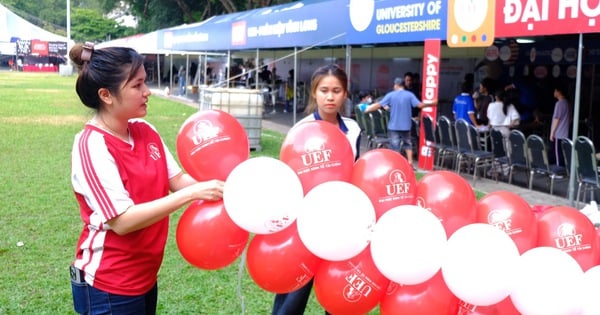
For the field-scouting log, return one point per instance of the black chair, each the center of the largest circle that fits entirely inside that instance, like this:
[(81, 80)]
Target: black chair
[(450, 151), (360, 118), (517, 154), (376, 138), (587, 167), (499, 150), (538, 162), (471, 154), (566, 146), (431, 139), (379, 121)]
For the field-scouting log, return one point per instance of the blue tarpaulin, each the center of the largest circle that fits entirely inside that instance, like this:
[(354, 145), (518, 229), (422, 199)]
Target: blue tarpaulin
[(296, 24)]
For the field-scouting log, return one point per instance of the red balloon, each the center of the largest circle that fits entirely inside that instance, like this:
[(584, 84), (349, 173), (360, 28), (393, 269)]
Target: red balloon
[(207, 237), (538, 210), (353, 286), (279, 262), (387, 178), (210, 144), (571, 231), (512, 214), (318, 152), (504, 307), (429, 297), (448, 196)]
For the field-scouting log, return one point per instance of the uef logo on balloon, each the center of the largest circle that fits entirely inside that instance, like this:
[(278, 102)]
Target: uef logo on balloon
[(206, 134), (568, 239), (397, 188), (302, 279), (317, 156), (356, 288), (277, 224), (501, 218)]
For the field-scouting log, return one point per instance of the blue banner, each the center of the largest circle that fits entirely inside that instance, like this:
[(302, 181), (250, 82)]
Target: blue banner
[(393, 21), (296, 24)]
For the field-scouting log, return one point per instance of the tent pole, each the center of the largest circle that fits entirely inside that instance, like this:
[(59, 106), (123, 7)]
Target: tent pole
[(575, 120), (348, 110), (171, 73), (295, 89), (255, 76), (158, 71)]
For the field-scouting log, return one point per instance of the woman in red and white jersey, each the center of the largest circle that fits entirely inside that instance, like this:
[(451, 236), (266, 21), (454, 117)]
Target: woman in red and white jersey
[(122, 176)]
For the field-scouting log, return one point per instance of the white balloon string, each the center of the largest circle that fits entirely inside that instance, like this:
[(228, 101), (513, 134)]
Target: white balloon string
[(240, 274)]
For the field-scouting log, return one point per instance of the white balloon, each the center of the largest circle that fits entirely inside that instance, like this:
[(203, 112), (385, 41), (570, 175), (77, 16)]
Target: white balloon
[(479, 263), (262, 194), (335, 220), (408, 244), (548, 282), (589, 292)]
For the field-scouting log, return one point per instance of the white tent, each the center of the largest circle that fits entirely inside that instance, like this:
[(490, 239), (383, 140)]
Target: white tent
[(142, 43), (14, 27)]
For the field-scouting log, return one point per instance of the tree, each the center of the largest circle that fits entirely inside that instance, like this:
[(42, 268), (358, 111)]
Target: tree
[(90, 25), (152, 14)]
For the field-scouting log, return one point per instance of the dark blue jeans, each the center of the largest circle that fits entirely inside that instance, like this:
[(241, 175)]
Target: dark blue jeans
[(91, 301), (293, 303)]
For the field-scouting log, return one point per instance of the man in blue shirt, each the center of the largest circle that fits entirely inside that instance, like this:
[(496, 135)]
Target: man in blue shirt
[(400, 103), (464, 106)]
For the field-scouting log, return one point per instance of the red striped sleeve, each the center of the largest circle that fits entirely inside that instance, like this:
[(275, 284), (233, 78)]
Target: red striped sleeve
[(91, 177)]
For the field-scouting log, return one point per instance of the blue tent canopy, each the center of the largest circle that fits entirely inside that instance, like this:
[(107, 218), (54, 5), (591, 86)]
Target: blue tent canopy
[(296, 24)]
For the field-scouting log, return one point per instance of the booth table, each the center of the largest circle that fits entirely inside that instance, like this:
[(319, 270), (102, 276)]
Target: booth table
[(40, 68)]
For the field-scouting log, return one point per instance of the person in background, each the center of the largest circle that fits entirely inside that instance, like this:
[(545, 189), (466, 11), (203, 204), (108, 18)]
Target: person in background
[(289, 92), (502, 114), (469, 80), (561, 120), (181, 78), (328, 94), (400, 102), (409, 85), (464, 107), (482, 99), (265, 76), (126, 183), (365, 100), (193, 72)]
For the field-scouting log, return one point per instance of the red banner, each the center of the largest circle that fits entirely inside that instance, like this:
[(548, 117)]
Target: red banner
[(542, 17), (430, 83), (39, 48)]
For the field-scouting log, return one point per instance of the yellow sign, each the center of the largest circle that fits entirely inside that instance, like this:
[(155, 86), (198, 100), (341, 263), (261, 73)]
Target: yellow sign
[(471, 23)]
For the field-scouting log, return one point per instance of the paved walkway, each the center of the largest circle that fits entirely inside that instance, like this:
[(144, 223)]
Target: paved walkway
[(282, 122)]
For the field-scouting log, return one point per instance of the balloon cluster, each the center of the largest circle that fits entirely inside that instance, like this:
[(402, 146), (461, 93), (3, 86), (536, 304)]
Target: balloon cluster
[(369, 234)]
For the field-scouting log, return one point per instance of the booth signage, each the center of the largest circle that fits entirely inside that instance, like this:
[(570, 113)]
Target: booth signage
[(542, 17), (431, 78)]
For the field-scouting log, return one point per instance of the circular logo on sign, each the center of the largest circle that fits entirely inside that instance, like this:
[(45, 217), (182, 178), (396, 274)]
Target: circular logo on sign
[(570, 54), (491, 53), (556, 54), (470, 14), (361, 13)]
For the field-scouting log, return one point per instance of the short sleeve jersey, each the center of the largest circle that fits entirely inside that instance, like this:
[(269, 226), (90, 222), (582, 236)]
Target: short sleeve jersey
[(463, 106), (400, 103), (109, 176), (563, 114)]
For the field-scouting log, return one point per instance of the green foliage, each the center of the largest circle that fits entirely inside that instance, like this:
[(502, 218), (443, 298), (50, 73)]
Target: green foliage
[(90, 25)]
